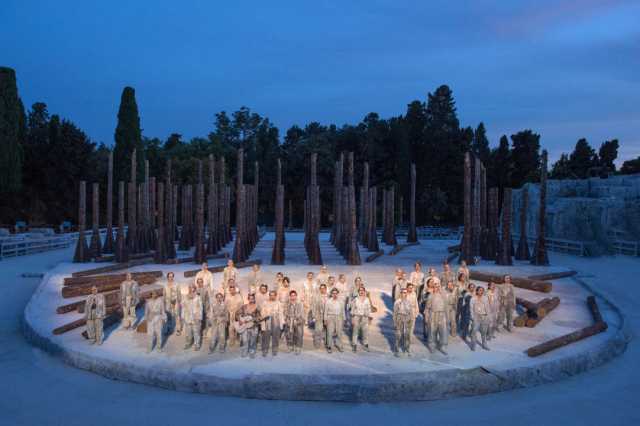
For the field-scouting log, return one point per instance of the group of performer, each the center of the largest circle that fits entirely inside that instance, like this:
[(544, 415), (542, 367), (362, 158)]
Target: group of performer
[(328, 305)]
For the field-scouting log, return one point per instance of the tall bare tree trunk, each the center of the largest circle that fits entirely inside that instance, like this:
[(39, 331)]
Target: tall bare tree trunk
[(82, 253), (540, 256), (522, 253), (466, 252), (122, 254), (95, 249), (504, 251), (238, 248), (108, 241), (412, 235), (132, 233), (373, 215), (160, 255)]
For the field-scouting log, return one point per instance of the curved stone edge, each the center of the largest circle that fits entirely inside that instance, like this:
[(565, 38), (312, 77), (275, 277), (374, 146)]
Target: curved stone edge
[(434, 385)]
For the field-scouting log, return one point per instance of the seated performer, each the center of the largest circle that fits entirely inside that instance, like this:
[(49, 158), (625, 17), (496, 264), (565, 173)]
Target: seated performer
[(247, 326), (129, 298), (360, 314), (94, 313), (172, 302), (205, 275), (480, 318), (271, 320), (192, 309), (317, 316), (156, 317), (334, 321), (294, 322), (403, 321), (219, 317)]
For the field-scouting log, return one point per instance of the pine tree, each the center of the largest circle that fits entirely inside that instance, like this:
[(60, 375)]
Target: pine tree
[(582, 159), (525, 158), (480, 144), (630, 167), (499, 173), (128, 137), (607, 155), (561, 169), (12, 132)]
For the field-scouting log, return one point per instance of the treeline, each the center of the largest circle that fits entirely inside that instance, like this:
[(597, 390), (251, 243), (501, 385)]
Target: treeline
[(44, 156)]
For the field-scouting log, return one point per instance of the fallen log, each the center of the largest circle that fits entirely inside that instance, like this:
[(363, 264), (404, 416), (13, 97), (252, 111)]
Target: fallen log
[(525, 283), (85, 289), (399, 247), (552, 276), (113, 268), (567, 339), (595, 311), (191, 259), (521, 320), (533, 309), (374, 256), (99, 279), (78, 323), (217, 269), (546, 306), (113, 299), (454, 249)]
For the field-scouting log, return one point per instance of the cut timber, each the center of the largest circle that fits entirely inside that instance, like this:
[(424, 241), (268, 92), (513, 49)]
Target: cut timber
[(218, 269), (552, 276), (101, 279), (567, 339), (521, 320), (546, 306), (533, 309), (112, 268), (374, 256), (85, 290), (541, 286), (399, 247)]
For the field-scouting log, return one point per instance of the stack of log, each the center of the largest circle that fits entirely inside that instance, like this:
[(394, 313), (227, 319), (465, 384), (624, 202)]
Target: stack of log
[(277, 256), (535, 312), (598, 326), (525, 283), (81, 286), (312, 216)]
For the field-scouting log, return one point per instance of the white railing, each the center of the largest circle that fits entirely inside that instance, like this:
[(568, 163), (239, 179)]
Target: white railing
[(31, 243)]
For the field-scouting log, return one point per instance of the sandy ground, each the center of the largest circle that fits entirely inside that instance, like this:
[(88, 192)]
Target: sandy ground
[(38, 389)]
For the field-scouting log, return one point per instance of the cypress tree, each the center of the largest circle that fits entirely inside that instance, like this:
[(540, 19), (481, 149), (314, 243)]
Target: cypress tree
[(128, 137), (12, 132)]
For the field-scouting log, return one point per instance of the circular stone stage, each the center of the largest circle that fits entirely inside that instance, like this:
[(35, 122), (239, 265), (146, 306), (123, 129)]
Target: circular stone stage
[(317, 375)]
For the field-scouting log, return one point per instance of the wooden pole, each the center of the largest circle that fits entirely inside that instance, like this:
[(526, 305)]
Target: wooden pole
[(492, 232), (466, 252), (353, 251), (213, 244), (160, 254), (412, 236), (200, 253), (109, 241), (540, 256), (476, 230), (504, 251), (365, 211), (373, 216), (82, 250), (132, 233), (95, 249), (277, 255), (121, 252), (522, 252), (238, 249), (484, 231)]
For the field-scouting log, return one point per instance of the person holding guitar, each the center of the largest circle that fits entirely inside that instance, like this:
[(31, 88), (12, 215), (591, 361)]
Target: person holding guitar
[(246, 326)]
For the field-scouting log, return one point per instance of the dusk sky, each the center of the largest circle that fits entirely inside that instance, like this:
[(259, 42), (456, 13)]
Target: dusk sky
[(564, 68)]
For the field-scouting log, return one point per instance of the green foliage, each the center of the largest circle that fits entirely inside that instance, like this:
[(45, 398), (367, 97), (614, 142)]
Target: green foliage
[(607, 154), (12, 133), (525, 158), (480, 144), (561, 169), (128, 136), (582, 160), (630, 167)]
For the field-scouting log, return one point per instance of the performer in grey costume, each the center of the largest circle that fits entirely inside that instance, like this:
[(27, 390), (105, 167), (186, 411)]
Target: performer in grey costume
[(94, 313), (271, 320), (172, 303), (192, 319), (219, 317), (334, 321), (129, 298), (156, 316), (294, 322), (360, 314), (437, 309), (403, 320), (317, 317), (480, 318)]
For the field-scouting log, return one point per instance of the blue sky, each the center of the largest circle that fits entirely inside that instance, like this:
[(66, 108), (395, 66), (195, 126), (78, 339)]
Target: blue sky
[(564, 68)]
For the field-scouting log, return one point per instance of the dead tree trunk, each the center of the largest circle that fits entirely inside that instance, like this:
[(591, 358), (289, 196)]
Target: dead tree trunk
[(132, 232), (238, 248), (121, 253), (213, 245), (160, 255), (389, 219), (412, 235), (290, 214), (312, 222), (200, 254), (540, 256), (95, 248), (476, 230), (522, 253), (153, 211), (466, 252), (338, 198), (277, 256), (493, 221), (366, 206), (504, 250), (484, 229), (372, 240), (169, 216), (108, 247), (82, 250)]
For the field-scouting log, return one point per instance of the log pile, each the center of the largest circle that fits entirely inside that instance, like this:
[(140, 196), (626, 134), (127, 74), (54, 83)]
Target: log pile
[(525, 283), (598, 326), (535, 312)]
